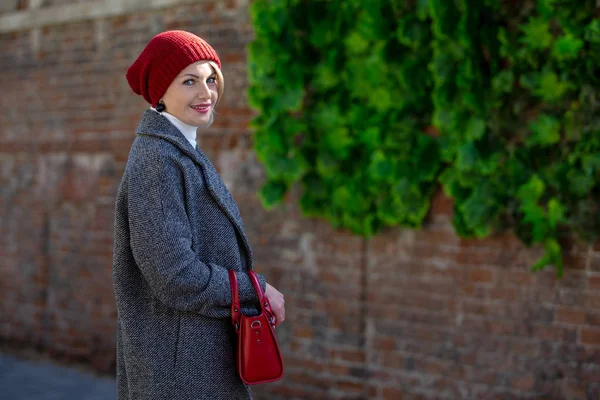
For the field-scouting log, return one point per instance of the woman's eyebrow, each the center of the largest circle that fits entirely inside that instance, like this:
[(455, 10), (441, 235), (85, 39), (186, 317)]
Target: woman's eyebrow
[(196, 76)]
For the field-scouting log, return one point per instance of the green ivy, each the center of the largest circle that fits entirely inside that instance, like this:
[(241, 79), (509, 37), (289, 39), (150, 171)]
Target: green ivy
[(371, 104)]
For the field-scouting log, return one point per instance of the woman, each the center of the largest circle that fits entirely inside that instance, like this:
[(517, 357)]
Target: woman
[(177, 233)]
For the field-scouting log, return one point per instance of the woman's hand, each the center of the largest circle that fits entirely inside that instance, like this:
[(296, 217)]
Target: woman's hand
[(277, 303)]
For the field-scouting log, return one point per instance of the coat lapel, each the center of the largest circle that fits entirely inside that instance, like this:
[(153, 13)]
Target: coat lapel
[(154, 124)]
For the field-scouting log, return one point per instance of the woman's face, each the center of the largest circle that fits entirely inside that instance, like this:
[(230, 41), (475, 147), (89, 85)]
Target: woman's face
[(193, 94)]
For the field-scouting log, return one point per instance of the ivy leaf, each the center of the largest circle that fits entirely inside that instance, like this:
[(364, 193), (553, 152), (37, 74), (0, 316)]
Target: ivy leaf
[(390, 210), (552, 255), (546, 85), (536, 217), (289, 100), (327, 165), (350, 199), (545, 8), (370, 137), (412, 206), (422, 10), (258, 60), (475, 129), (411, 32), (532, 190), (267, 142), (536, 34), (504, 81), (545, 131), (328, 116), (556, 213), (284, 168), (491, 165), (321, 34), (267, 19), (381, 168), (428, 158), (450, 180), (356, 44), (572, 123), (362, 225), (325, 77), (315, 193), (506, 50), (338, 142), (478, 210), (567, 48), (591, 163), (341, 197), (467, 156), (459, 224), (580, 184), (592, 31), (272, 193), (380, 99)]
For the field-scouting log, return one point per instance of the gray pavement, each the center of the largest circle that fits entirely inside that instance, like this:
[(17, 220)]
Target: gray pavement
[(22, 379)]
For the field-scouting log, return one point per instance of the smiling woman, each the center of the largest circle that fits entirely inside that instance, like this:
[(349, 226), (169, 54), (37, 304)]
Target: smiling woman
[(195, 93), (178, 233)]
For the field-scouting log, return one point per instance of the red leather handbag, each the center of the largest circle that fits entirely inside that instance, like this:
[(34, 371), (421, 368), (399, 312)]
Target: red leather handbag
[(258, 358)]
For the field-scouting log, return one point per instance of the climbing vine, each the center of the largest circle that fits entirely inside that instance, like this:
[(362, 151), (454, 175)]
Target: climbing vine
[(370, 105)]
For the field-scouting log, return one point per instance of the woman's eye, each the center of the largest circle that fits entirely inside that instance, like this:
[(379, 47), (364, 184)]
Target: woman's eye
[(188, 82), (212, 79)]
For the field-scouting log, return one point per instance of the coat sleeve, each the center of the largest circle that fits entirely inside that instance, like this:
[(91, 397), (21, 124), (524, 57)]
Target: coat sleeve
[(161, 239)]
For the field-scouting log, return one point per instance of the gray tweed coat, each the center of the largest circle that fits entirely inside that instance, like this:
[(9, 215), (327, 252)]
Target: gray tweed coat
[(177, 233)]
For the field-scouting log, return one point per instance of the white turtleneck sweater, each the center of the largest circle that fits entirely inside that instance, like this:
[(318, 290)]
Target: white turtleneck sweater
[(187, 130)]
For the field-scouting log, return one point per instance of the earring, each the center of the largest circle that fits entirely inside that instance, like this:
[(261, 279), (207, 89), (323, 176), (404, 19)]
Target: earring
[(160, 107)]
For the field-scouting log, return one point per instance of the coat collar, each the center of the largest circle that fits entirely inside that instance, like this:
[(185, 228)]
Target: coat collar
[(154, 124)]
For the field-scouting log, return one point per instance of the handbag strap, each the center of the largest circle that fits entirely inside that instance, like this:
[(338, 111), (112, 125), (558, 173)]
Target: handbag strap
[(265, 305), (236, 310)]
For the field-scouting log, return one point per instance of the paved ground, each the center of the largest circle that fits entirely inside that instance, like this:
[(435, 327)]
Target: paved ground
[(22, 379)]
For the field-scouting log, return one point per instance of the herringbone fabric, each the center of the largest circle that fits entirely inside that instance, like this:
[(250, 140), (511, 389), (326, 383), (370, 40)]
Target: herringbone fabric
[(177, 233)]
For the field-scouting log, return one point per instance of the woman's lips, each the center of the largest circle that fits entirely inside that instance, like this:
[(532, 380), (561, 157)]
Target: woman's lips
[(201, 108)]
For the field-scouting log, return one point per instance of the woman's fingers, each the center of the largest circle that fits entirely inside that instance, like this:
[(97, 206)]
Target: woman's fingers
[(277, 302)]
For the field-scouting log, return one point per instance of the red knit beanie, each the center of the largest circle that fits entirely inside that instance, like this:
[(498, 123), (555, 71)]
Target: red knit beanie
[(163, 58)]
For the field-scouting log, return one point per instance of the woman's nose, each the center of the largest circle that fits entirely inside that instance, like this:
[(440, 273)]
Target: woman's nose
[(204, 92)]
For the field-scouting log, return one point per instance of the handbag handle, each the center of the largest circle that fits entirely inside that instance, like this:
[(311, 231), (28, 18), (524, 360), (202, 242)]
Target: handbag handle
[(236, 310)]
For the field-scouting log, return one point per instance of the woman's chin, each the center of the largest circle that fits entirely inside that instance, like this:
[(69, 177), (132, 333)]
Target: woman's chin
[(198, 120), (205, 120)]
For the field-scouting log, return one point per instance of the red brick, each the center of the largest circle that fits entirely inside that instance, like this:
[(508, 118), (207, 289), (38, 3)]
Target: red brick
[(354, 356), (303, 332), (391, 360), (518, 278), (338, 370), (350, 387), (594, 283), (481, 276), (384, 344), (524, 382), (554, 333), (590, 336), (592, 318), (391, 394), (570, 316)]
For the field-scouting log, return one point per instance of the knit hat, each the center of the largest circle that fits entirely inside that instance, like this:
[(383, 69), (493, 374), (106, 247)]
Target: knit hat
[(163, 58)]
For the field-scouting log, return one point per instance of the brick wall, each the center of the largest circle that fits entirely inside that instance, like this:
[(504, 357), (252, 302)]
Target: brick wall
[(405, 315)]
